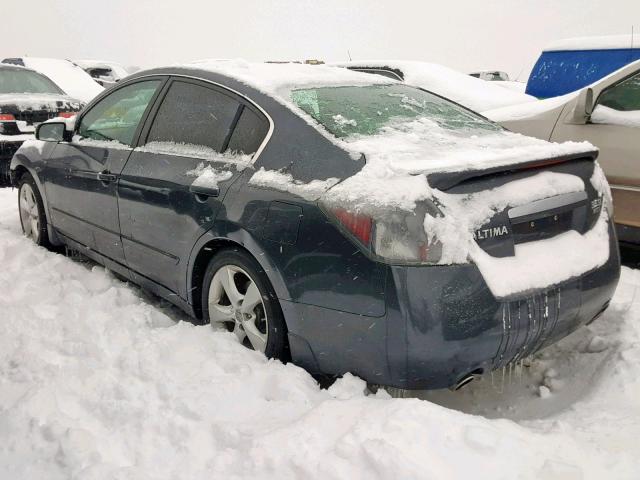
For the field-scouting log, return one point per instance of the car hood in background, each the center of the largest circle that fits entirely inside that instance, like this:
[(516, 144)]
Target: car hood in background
[(72, 79)]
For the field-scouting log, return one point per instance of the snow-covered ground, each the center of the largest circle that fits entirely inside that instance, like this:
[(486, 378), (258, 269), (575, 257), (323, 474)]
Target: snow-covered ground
[(99, 380)]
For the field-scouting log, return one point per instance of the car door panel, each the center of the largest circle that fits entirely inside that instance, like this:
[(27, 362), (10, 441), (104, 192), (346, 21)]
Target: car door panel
[(173, 185), (161, 217), (618, 142), (82, 206), (82, 174)]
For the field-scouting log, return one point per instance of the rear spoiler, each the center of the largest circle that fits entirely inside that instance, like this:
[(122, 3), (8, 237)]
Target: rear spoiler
[(446, 180)]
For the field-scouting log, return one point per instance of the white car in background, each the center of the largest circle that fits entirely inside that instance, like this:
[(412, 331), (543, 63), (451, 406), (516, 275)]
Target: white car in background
[(106, 73), (471, 92), (72, 79), (606, 114)]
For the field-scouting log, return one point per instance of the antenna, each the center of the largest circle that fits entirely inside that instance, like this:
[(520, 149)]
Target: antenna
[(349, 54), (631, 37)]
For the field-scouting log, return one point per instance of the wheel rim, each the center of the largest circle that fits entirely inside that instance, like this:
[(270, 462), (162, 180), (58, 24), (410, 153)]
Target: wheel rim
[(235, 302), (29, 215)]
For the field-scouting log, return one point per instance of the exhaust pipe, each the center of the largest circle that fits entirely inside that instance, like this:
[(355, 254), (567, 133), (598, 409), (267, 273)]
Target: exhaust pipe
[(465, 380)]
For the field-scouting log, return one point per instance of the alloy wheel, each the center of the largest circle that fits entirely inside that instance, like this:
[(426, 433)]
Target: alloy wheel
[(29, 214), (236, 303)]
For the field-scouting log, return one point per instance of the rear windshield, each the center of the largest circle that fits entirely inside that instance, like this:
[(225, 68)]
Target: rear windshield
[(365, 110), (25, 81)]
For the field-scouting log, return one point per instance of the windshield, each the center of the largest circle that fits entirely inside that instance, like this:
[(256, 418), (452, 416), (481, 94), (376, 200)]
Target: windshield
[(365, 110), (25, 81)]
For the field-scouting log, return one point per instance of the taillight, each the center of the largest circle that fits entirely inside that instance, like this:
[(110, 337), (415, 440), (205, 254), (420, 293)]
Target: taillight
[(67, 114), (7, 117), (397, 237), (358, 224)]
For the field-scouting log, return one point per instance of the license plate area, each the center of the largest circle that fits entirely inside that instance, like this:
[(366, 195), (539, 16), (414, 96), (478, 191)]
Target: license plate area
[(542, 227)]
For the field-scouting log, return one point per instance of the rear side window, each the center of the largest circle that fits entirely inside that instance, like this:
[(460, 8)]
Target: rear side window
[(116, 117), (194, 115), (249, 133)]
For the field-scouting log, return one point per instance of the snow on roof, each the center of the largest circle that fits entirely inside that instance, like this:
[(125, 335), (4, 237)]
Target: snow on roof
[(69, 77), (606, 42), (464, 89), (278, 79)]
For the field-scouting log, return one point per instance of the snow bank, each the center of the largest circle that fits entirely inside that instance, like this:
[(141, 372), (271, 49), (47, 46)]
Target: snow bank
[(100, 381), (69, 77), (473, 93)]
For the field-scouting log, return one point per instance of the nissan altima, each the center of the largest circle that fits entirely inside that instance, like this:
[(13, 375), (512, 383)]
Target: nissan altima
[(343, 221)]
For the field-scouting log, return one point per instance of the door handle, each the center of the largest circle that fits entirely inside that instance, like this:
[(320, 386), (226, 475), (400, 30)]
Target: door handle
[(107, 177), (201, 192)]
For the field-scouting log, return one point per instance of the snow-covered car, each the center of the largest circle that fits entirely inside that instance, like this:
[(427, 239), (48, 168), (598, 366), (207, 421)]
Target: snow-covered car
[(72, 79), (345, 221), (471, 92), (571, 64), (27, 98), (106, 73), (491, 75), (607, 114)]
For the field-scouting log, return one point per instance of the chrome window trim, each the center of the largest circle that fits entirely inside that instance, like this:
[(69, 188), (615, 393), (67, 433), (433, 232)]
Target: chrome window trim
[(224, 87), (547, 204)]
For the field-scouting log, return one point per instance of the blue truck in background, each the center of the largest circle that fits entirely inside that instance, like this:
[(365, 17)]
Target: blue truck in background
[(572, 64)]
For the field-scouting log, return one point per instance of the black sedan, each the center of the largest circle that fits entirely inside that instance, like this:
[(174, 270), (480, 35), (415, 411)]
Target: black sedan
[(27, 98), (216, 187)]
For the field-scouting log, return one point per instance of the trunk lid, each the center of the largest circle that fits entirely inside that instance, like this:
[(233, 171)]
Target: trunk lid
[(543, 213)]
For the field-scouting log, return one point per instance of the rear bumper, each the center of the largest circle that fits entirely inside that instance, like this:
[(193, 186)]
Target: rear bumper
[(442, 323)]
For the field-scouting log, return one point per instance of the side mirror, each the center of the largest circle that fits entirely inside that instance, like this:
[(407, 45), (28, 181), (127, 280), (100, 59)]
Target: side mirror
[(584, 106), (51, 132)]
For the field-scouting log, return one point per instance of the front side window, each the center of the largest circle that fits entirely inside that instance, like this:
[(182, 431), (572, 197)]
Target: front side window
[(625, 96), (620, 104), (193, 115), (117, 116), (366, 110), (25, 81)]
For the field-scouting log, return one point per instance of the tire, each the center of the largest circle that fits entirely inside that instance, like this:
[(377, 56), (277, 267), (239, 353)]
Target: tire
[(228, 300), (33, 219)]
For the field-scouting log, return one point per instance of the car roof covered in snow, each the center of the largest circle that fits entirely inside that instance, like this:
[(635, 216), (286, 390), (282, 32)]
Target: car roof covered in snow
[(277, 78), (605, 42), (473, 93), (68, 76)]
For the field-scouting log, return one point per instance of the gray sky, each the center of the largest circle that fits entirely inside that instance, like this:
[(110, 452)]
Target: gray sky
[(464, 34)]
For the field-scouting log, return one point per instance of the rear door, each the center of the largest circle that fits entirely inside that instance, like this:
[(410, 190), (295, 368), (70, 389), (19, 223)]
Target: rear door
[(81, 175), (196, 143), (614, 127)]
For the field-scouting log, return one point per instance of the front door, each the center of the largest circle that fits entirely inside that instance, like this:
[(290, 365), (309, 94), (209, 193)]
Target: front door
[(195, 144), (614, 127), (82, 175)]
